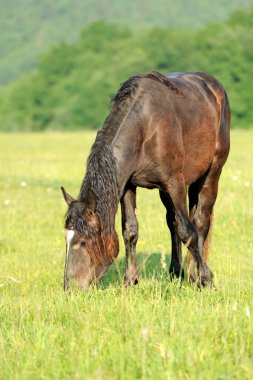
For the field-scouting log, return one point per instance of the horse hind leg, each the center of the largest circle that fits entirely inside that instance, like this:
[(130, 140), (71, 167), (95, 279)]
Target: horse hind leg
[(203, 193), (130, 235), (202, 197), (176, 189), (176, 252), (193, 201), (193, 194)]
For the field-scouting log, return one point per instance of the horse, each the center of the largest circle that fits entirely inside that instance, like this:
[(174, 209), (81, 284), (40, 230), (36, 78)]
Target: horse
[(166, 132)]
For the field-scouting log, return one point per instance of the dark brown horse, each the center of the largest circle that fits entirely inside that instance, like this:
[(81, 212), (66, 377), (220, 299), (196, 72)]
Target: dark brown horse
[(166, 132)]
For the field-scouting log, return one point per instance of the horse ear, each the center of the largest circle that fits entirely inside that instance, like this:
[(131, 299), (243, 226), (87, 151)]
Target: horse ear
[(91, 202), (67, 196)]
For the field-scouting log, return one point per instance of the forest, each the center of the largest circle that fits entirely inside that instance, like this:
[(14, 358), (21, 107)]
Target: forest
[(30, 27), (74, 81)]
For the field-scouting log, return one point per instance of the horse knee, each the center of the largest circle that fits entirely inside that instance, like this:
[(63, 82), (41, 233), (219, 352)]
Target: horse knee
[(130, 232), (188, 235), (202, 223)]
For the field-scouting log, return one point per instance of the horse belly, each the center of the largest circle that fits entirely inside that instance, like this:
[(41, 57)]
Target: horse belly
[(148, 177)]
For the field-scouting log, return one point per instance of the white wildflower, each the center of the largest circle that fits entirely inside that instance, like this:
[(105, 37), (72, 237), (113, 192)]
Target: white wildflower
[(144, 333), (234, 306), (247, 311), (23, 184)]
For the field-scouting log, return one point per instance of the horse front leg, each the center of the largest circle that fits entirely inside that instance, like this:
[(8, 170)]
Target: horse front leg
[(130, 235), (176, 189)]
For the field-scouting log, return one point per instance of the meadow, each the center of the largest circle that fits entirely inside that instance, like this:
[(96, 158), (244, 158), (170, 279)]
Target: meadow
[(156, 330)]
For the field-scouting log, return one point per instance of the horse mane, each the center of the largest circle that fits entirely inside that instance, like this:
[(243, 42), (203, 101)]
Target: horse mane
[(126, 88), (129, 86), (101, 176)]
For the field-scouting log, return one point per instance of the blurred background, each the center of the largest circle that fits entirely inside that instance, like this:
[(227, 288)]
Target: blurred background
[(61, 61)]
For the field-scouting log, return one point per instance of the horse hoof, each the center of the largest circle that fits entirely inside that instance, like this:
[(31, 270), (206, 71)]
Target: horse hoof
[(131, 279), (192, 278), (176, 274), (176, 271), (206, 282), (205, 276), (203, 280)]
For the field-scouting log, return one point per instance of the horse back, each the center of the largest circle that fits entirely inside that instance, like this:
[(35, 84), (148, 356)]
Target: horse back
[(161, 126), (204, 121), (184, 129)]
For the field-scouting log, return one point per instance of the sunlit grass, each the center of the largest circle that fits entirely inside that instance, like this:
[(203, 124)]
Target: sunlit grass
[(156, 330)]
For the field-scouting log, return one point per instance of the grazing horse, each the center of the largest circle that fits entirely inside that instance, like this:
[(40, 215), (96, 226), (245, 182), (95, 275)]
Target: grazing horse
[(166, 132)]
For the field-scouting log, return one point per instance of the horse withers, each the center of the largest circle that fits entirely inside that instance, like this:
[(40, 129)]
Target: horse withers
[(166, 132)]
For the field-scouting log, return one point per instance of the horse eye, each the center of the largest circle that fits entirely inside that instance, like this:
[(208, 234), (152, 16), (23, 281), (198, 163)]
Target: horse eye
[(83, 244)]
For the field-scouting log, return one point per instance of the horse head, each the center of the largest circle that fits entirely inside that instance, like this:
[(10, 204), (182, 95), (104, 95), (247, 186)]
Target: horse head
[(89, 249)]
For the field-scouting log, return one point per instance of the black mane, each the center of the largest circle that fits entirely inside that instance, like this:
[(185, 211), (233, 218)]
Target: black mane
[(101, 178), (126, 89), (129, 86)]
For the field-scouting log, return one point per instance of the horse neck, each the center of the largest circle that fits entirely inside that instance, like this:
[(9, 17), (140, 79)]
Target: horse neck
[(101, 178)]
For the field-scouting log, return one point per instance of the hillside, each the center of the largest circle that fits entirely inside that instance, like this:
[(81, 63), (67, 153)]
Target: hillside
[(74, 82), (29, 27)]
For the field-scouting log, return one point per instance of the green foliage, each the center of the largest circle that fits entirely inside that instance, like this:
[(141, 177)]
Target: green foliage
[(156, 330), (29, 27), (74, 82)]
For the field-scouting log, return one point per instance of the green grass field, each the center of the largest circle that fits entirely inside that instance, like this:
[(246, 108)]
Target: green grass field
[(156, 330)]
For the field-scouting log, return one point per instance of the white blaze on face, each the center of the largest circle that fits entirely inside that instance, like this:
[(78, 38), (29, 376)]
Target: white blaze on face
[(69, 236)]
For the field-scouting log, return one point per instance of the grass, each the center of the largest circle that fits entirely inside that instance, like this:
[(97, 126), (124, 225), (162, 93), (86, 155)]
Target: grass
[(156, 330)]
